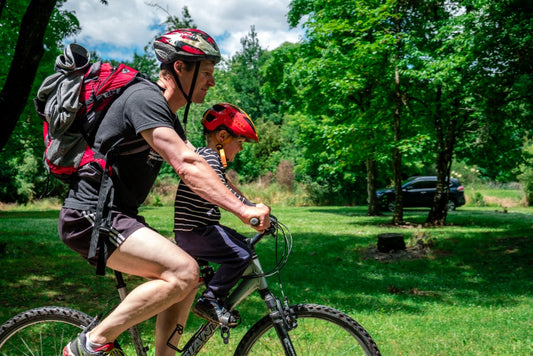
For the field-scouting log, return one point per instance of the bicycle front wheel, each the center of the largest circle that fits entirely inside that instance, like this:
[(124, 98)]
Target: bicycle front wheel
[(41, 331), (321, 330)]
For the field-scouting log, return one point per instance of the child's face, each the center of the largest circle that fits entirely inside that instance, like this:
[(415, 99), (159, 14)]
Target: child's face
[(233, 147)]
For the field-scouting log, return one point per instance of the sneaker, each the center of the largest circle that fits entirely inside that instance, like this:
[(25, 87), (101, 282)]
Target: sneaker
[(77, 348), (209, 309)]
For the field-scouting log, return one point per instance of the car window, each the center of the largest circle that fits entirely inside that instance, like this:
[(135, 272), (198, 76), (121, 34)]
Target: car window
[(423, 185), (416, 185), (430, 184), (410, 179)]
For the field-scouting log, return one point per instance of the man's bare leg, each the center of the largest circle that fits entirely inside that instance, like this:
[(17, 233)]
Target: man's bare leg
[(167, 321), (172, 274)]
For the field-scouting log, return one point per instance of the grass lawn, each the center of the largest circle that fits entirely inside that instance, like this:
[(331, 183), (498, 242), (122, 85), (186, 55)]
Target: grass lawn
[(464, 289)]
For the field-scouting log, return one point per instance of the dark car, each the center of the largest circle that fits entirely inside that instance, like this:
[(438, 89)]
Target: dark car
[(419, 192)]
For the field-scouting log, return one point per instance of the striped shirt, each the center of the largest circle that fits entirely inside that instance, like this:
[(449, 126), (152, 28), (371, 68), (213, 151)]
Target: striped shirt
[(192, 211)]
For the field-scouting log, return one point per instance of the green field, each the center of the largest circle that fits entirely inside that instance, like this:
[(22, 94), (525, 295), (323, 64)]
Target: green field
[(464, 289)]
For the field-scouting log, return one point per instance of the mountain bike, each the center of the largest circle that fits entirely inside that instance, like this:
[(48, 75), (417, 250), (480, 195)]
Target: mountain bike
[(300, 329)]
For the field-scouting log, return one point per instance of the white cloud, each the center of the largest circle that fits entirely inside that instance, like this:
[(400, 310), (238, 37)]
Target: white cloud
[(125, 26)]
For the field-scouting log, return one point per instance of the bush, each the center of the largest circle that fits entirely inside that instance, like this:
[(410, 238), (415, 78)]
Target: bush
[(526, 177), (163, 192), (467, 175), (19, 177), (476, 199), (285, 174)]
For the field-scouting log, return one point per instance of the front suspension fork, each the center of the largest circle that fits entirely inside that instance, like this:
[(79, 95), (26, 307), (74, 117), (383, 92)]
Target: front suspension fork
[(283, 318)]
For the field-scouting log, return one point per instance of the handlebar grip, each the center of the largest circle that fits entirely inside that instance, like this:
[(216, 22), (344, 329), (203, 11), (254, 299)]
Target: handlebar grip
[(254, 221)]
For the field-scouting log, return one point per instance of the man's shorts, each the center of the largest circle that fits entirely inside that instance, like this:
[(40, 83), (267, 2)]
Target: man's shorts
[(76, 226)]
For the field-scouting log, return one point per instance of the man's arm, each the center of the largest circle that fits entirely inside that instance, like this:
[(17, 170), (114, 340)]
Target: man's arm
[(200, 177)]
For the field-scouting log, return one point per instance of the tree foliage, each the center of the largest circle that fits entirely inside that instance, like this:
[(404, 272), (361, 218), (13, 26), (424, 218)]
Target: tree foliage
[(377, 90), (32, 32), (428, 65)]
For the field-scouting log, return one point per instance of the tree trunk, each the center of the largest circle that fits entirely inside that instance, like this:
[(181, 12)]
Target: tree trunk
[(371, 173), (2, 6), (445, 145), (439, 211), (390, 242), (397, 217), (28, 53)]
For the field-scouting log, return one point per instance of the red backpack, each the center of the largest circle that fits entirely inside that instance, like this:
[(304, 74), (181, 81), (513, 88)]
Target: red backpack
[(72, 102)]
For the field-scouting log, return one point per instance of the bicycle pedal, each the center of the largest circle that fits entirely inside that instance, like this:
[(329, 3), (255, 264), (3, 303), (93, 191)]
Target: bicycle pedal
[(224, 333)]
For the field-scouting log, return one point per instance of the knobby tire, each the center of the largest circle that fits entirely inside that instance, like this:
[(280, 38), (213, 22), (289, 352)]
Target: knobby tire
[(41, 331), (321, 330)]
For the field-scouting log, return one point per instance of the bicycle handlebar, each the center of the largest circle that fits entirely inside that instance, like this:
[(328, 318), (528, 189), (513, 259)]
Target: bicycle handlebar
[(269, 231)]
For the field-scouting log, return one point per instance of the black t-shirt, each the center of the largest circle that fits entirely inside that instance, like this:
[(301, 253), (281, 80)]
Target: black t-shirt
[(134, 170)]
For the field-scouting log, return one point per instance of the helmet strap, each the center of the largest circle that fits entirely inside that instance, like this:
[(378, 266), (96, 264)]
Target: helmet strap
[(220, 148), (191, 91), (222, 154)]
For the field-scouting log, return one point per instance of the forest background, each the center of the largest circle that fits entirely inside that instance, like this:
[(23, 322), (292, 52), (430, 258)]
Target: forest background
[(375, 92)]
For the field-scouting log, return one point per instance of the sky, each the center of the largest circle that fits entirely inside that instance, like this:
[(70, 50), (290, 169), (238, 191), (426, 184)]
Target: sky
[(123, 27)]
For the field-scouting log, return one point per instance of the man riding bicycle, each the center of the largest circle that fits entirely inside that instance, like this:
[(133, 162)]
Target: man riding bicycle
[(144, 119)]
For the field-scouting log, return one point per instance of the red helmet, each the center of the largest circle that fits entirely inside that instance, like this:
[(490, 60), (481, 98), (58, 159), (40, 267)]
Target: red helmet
[(189, 44), (231, 118)]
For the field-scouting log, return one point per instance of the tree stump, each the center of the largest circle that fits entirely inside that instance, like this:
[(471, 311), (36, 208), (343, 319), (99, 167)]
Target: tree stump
[(390, 242)]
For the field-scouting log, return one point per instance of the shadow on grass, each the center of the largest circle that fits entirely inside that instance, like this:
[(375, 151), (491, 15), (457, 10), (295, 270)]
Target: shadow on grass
[(467, 266), (493, 272)]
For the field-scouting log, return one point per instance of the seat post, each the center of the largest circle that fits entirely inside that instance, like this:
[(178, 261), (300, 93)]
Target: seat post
[(121, 285)]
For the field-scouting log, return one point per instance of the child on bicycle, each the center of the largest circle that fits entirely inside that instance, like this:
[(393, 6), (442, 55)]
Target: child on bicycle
[(197, 225)]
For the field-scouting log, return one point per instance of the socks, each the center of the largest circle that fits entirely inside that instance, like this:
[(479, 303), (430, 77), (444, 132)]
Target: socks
[(91, 346)]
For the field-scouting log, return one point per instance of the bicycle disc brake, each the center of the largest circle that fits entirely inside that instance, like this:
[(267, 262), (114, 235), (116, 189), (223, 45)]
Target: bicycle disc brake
[(289, 316)]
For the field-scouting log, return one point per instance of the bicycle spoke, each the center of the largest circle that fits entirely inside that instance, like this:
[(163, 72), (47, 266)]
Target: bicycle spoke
[(41, 332), (321, 330)]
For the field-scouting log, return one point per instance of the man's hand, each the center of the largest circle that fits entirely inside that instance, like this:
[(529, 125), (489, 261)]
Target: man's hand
[(261, 212)]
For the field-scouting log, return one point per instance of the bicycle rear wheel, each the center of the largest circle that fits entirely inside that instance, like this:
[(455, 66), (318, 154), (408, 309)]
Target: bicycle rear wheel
[(41, 331), (321, 330)]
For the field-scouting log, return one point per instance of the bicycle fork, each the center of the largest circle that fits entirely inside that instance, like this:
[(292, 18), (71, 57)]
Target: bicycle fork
[(283, 319)]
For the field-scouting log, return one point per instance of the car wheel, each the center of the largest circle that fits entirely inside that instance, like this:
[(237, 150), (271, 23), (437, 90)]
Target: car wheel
[(391, 205), (451, 205)]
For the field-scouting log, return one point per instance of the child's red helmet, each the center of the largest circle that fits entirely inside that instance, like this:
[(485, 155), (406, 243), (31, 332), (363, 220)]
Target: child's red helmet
[(232, 118)]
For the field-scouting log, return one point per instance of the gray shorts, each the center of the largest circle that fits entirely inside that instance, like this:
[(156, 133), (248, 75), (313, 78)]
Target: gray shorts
[(75, 229)]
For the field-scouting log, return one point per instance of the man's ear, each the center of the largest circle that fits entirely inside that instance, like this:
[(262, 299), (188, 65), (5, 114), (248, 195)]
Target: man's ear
[(178, 66)]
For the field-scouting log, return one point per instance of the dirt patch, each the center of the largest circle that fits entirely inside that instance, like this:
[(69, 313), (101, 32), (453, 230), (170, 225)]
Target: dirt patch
[(410, 253), (504, 202), (419, 245)]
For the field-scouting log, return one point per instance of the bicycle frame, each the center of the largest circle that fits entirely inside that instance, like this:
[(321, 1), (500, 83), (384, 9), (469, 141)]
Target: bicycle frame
[(253, 279)]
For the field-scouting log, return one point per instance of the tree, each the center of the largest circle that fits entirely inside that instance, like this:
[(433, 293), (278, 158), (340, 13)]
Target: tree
[(466, 62), (503, 50), (246, 78), (25, 36), (350, 72), (27, 55), (147, 62), (441, 70)]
